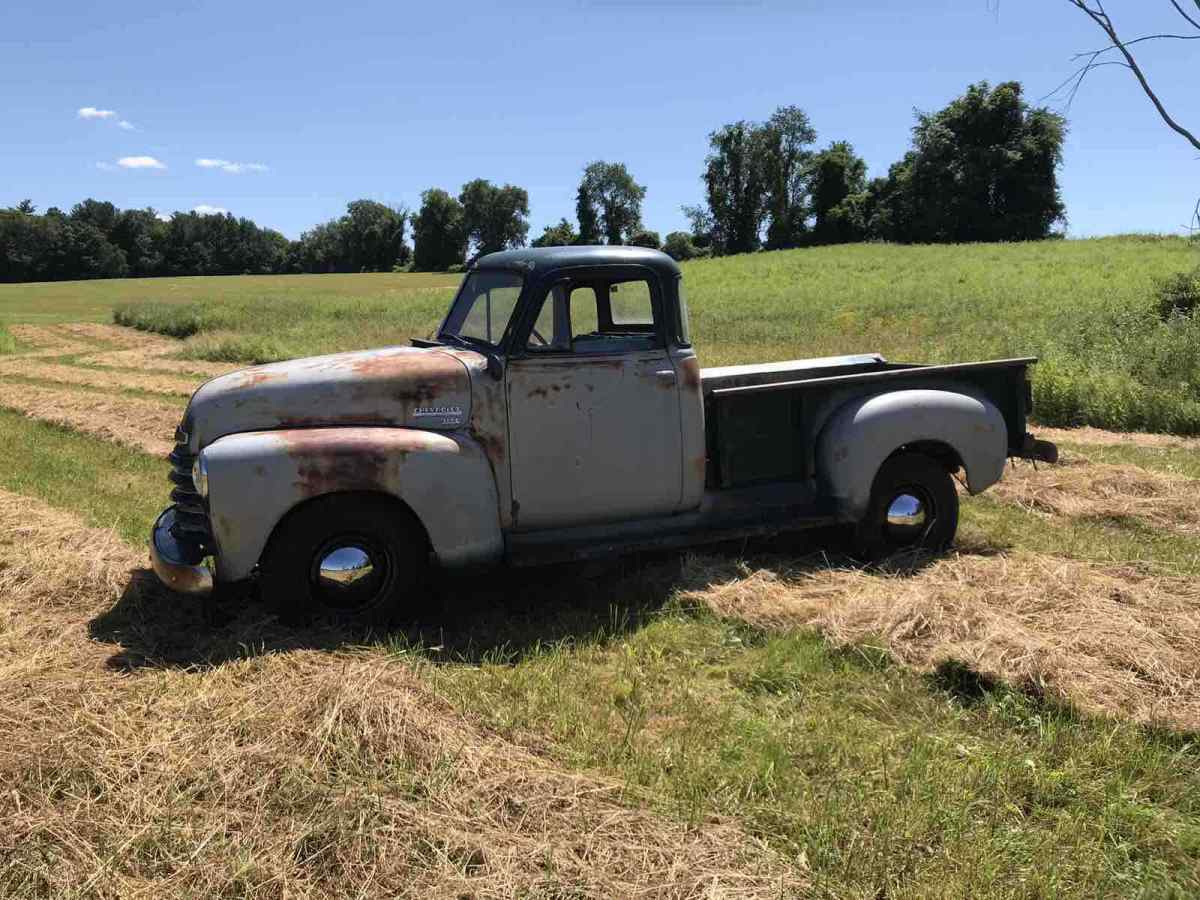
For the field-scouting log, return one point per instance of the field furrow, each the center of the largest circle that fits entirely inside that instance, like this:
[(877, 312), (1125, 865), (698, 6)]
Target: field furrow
[(155, 383), (143, 424), (297, 772)]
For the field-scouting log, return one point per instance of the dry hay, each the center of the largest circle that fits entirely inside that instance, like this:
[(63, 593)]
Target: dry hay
[(298, 772), (1089, 435), (153, 359), (47, 341), (98, 378), (1110, 640), (118, 336), (1083, 489), (143, 424)]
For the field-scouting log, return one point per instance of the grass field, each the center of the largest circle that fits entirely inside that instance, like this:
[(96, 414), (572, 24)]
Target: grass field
[(1018, 718), (1087, 308)]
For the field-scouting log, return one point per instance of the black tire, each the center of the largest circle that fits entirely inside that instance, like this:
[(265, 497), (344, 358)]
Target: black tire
[(314, 566), (931, 522)]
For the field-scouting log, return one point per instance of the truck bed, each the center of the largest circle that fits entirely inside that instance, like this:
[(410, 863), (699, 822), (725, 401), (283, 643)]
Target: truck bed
[(762, 421)]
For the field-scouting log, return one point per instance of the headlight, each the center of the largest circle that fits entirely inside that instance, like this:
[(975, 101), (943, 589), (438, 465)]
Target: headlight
[(200, 475)]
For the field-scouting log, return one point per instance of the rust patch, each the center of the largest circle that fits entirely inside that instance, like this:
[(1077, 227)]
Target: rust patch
[(489, 423), (249, 378), (348, 459), (700, 467), (689, 373)]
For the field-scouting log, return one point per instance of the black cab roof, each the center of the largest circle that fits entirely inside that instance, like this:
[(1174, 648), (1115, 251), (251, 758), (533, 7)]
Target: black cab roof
[(544, 259)]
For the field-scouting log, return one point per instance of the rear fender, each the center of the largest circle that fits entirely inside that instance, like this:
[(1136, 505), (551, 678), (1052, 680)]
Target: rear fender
[(256, 478), (863, 433)]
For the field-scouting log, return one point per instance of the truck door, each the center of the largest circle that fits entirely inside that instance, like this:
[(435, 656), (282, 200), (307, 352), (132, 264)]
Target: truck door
[(594, 429)]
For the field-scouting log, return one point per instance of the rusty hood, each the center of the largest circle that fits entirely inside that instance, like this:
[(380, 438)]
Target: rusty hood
[(396, 386)]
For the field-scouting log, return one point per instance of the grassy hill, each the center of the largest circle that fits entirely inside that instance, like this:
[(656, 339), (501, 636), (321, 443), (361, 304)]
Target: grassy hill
[(1087, 308)]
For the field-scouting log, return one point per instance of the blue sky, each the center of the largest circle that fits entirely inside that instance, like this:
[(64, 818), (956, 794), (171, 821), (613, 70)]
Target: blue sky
[(298, 108)]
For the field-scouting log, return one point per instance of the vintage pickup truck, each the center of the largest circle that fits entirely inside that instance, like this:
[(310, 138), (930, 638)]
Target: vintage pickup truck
[(561, 413)]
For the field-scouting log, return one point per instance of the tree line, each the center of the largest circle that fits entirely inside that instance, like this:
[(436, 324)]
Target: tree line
[(984, 168)]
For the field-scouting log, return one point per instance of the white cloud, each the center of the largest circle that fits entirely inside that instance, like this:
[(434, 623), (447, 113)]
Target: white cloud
[(126, 124), (205, 210), (90, 112), (162, 217), (140, 162), (233, 168)]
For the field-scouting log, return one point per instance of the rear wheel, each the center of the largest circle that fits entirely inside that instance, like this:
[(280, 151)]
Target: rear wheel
[(348, 557), (913, 506)]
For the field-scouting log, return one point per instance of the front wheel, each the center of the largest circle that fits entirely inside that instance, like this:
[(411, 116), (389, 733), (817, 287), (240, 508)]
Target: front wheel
[(913, 506), (351, 557)]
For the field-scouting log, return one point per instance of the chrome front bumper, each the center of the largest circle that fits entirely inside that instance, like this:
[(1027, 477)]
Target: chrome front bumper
[(177, 566)]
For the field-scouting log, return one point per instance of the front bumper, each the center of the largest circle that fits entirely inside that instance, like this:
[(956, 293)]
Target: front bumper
[(177, 565)]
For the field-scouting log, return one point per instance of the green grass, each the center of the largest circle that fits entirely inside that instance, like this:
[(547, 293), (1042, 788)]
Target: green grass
[(79, 301), (887, 782), (7, 342), (108, 485)]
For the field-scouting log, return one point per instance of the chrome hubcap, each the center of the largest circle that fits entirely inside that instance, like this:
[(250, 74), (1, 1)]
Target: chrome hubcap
[(345, 567), (908, 517), (348, 574)]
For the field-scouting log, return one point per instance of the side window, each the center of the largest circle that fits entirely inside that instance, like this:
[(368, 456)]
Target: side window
[(584, 305), (543, 335), (630, 303)]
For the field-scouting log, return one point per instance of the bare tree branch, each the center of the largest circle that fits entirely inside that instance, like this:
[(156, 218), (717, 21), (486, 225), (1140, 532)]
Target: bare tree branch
[(1101, 18), (1179, 9)]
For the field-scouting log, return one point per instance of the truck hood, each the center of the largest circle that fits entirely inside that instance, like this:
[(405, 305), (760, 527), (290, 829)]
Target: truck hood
[(396, 387)]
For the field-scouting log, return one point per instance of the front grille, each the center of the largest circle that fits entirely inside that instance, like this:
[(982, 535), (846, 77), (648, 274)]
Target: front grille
[(191, 512)]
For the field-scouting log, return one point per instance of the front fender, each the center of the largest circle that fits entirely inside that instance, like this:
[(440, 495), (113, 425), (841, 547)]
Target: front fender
[(865, 432), (255, 478)]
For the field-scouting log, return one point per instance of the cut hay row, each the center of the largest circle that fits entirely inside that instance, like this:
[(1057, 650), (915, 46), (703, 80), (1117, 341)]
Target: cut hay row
[(167, 385), (152, 360), (1109, 640), (1089, 435), (117, 336), (1080, 488), (48, 340), (143, 424), (294, 772)]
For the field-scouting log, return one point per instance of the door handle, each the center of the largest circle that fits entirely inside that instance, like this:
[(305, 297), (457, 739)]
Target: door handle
[(666, 376)]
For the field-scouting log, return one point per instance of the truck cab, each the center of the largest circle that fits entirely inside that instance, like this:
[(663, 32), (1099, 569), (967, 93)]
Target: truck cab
[(560, 412)]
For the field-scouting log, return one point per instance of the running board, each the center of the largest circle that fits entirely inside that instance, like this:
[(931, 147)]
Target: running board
[(723, 516)]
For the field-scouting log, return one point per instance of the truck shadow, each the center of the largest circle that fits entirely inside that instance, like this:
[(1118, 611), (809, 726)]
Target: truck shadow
[(501, 617)]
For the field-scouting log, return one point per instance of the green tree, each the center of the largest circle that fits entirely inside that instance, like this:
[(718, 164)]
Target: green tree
[(985, 168), (736, 188), (560, 235), (679, 246), (609, 201), (836, 174), (439, 232), (645, 238), (784, 140), (496, 218), (587, 215), (372, 237), (26, 207)]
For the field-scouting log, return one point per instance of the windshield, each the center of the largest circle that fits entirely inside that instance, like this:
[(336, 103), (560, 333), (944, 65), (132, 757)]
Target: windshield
[(484, 305)]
